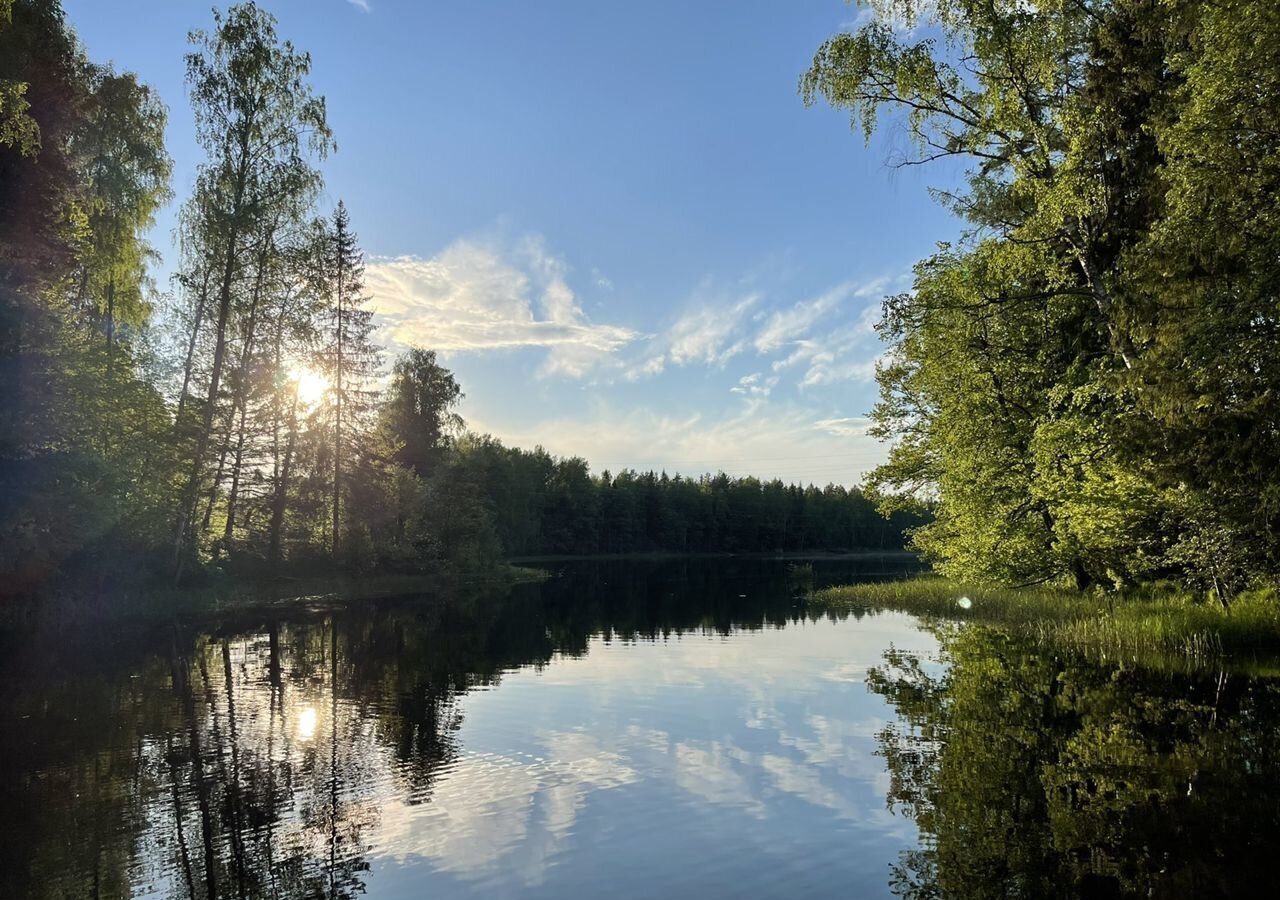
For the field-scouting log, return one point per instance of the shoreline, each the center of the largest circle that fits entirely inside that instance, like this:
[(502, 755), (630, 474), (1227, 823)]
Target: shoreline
[(224, 594), (239, 595), (666, 555), (1156, 623)]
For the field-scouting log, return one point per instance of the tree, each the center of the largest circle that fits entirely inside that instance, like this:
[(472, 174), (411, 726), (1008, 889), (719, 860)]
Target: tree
[(418, 410), (127, 171), (257, 120), (351, 358), (83, 455), (1081, 379)]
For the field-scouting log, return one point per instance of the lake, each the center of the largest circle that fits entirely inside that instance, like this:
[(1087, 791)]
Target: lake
[(643, 729)]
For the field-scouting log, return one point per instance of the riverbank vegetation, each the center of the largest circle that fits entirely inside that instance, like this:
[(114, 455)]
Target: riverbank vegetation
[(242, 419), (1155, 623), (1087, 382)]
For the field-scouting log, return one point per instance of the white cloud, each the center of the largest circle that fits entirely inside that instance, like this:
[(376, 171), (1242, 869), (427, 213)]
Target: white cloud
[(755, 385), (844, 351), (844, 354), (828, 368), (755, 388), (362, 5), (785, 326), (713, 332), (471, 298), (854, 426), (708, 334), (654, 365)]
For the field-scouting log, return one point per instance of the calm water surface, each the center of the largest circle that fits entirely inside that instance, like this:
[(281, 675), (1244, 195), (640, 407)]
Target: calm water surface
[(629, 730)]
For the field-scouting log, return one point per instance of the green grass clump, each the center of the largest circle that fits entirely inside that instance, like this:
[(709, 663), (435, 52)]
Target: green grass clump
[(1160, 621)]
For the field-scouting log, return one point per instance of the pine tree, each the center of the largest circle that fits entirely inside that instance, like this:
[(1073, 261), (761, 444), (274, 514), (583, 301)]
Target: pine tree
[(352, 359)]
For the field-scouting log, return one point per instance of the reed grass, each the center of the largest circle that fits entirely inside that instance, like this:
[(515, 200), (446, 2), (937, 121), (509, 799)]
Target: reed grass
[(1158, 621)]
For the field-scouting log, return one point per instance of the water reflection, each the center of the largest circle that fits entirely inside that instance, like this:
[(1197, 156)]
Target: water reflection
[(323, 755), (646, 730), (1038, 776)]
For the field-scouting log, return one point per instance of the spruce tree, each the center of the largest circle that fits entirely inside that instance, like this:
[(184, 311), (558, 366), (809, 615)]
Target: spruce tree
[(352, 359)]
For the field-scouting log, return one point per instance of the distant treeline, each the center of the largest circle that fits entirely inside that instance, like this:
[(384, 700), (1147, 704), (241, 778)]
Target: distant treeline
[(538, 504), (238, 418)]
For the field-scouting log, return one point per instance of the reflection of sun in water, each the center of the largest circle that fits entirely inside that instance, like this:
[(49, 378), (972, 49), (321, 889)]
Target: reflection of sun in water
[(312, 386), (307, 723)]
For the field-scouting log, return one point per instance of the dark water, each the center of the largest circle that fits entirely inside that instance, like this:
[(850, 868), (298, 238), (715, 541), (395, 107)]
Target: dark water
[(624, 730)]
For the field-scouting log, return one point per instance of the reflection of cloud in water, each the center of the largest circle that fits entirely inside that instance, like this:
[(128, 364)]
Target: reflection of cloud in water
[(804, 783), (489, 808), (710, 774), (805, 730)]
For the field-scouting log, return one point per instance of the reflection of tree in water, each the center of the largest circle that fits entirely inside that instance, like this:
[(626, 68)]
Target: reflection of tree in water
[(249, 761), (269, 796), (1031, 775)]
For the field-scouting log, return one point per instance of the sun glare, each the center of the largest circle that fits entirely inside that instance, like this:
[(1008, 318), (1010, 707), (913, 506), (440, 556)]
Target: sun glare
[(306, 723), (312, 386)]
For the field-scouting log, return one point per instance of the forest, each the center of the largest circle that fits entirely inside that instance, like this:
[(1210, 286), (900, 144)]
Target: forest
[(1080, 388), (244, 416)]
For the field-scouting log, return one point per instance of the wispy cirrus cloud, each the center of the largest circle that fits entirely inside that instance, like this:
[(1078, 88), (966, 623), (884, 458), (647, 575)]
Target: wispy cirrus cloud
[(709, 332), (843, 349), (831, 337), (481, 295), (786, 325), (754, 385), (848, 426), (755, 389), (475, 296)]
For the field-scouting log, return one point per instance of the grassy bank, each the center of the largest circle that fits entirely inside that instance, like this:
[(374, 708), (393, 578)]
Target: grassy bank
[(1150, 623)]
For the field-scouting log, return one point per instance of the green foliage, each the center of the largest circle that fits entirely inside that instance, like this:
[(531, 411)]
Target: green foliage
[(86, 462), (1086, 381), (418, 410), (261, 126)]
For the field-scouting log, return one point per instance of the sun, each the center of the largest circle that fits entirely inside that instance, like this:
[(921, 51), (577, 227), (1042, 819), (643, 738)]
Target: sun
[(312, 386)]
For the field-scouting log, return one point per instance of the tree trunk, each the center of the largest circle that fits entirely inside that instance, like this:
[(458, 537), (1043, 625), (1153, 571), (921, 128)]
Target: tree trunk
[(282, 486), (337, 417), (240, 400), (1119, 339), (111, 315), (191, 347), (186, 514), (235, 477), (1081, 575), (185, 519)]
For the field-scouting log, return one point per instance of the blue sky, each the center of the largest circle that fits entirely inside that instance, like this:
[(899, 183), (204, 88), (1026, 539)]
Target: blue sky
[(617, 222)]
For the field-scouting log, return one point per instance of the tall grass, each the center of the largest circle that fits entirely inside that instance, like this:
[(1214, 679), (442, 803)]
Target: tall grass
[(1161, 621)]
